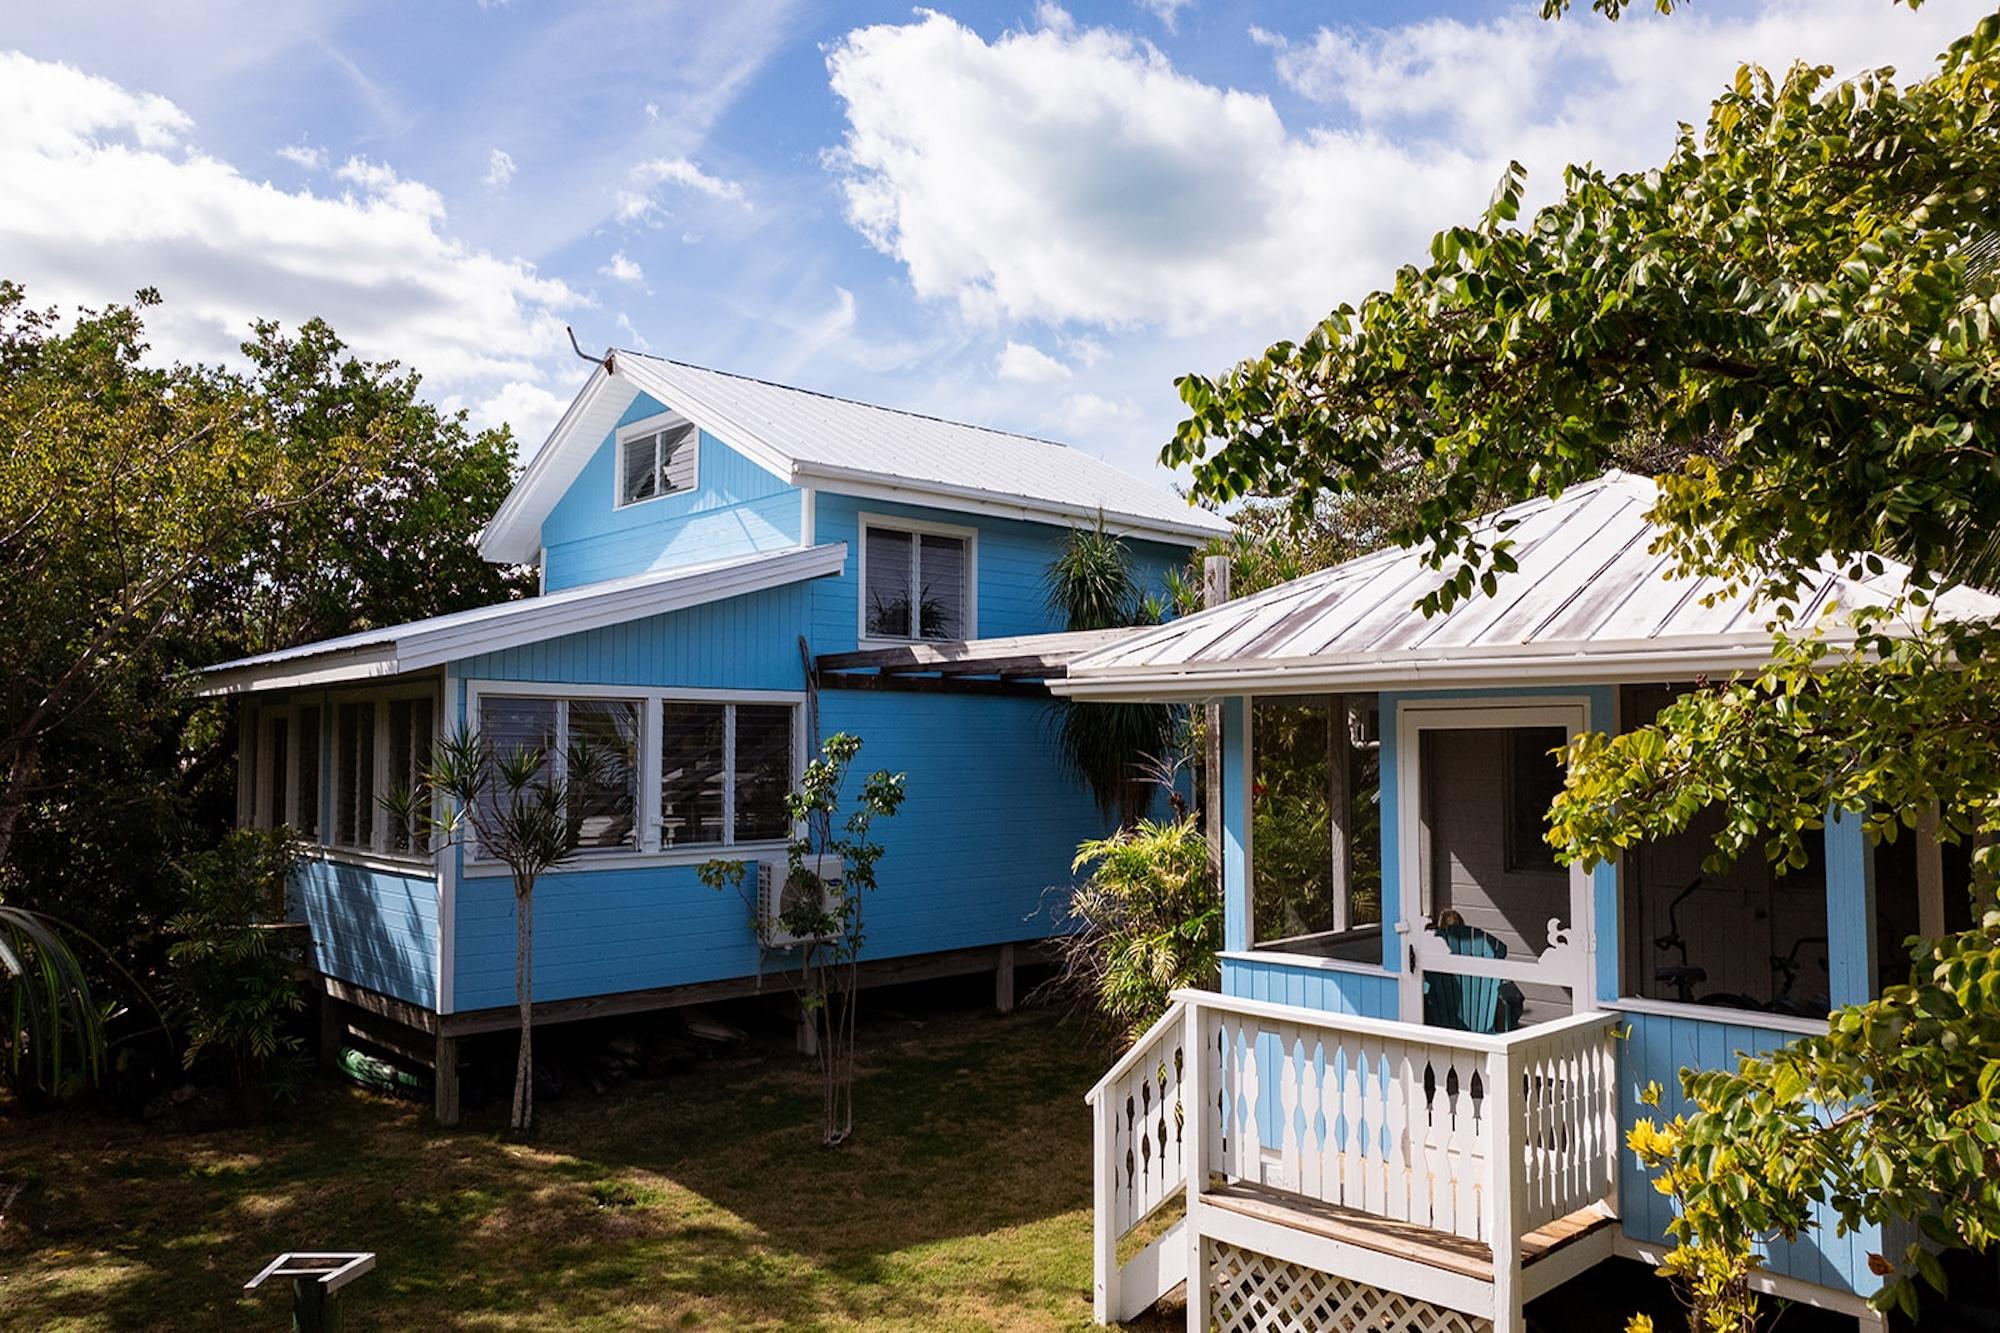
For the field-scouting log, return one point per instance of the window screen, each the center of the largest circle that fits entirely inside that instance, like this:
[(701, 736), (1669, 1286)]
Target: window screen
[(691, 773), (918, 585), (659, 462), (354, 775), (305, 815), (763, 771)]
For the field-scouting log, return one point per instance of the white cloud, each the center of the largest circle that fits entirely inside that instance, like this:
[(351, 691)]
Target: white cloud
[(642, 203), (620, 268), (529, 408), (304, 155), (1088, 413), (1029, 365), (1168, 12), (1117, 192), (107, 191), (499, 168), (634, 339)]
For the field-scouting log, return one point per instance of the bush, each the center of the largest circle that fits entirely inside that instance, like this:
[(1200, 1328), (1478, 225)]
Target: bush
[(233, 965), (1148, 921)]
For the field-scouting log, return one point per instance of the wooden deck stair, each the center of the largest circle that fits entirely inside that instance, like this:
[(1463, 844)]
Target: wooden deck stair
[(1433, 1249)]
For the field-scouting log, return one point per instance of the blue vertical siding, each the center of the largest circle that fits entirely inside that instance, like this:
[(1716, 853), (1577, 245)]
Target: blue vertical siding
[(979, 854), (747, 643), (1333, 992), (1013, 560), (1655, 1050), (736, 508), (375, 928)]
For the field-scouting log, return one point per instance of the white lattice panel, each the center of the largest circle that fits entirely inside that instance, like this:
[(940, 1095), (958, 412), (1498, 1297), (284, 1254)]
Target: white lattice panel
[(1255, 1293)]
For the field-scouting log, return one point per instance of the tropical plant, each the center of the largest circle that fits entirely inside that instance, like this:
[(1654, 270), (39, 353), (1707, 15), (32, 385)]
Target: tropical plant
[(1091, 585), (1147, 921), (830, 868), (54, 1037), (517, 806), (1801, 303), (234, 965)]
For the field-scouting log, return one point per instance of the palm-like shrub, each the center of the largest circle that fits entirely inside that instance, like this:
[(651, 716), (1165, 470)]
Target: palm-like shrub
[(1148, 921), (54, 1038)]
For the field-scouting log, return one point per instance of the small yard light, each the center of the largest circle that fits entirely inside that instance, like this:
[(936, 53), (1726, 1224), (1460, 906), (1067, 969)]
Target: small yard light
[(316, 1283)]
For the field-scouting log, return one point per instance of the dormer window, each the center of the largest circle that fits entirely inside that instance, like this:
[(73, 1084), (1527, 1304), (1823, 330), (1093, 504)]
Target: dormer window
[(656, 457)]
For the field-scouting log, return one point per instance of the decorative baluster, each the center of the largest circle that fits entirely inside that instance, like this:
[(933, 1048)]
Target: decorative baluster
[(1285, 1097), (1249, 1082), (1396, 1082), (1375, 1118), (1312, 1140), (1222, 1143), (1349, 1126)]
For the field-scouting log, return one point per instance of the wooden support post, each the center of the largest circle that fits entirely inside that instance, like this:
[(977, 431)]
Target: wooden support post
[(1214, 592), (332, 1031), (1003, 980), (1930, 876), (808, 1029), (1507, 1197), (1340, 811), (1197, 1052), (445, 1079)]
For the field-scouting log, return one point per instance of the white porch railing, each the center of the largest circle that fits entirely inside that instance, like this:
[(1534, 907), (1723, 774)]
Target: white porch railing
[(1392, 1120)]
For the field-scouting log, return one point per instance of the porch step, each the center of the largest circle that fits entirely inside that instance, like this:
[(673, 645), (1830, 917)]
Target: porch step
[(1403, 1240)]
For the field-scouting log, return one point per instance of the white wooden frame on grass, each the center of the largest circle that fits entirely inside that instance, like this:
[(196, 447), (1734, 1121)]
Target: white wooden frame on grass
[(647, 852), (865, 520), (1573, 964), (652, 425)]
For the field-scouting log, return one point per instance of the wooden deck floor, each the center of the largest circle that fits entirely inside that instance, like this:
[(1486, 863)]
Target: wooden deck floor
[(1406, 1240)]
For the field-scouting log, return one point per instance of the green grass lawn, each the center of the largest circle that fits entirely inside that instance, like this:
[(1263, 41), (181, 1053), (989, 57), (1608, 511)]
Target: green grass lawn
[(701, 1201)]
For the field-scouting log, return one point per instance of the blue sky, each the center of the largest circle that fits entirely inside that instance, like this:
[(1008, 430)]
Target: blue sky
[(1023, 215)]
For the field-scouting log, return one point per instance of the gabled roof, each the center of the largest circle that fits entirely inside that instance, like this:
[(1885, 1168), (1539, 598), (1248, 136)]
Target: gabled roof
[(429, 643), (1590, 601), (813, 439)]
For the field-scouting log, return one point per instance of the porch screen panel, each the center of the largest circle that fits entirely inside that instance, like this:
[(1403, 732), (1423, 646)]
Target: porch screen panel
[(1313, 757), (691, 773), (1741, 937), (279, 748), (891, 574), (409, 759), (354, 775), (305, 816), (604, 796), (763, 771)]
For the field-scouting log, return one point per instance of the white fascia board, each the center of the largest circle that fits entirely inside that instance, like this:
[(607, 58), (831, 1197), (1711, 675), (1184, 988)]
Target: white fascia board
[(1494, 670), (514, 534), (736, 434), (300, 672), (970, 500)]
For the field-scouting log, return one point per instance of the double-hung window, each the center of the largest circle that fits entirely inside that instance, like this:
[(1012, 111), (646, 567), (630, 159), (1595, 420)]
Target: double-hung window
[(917, 581), (656, 457), (602, 799)]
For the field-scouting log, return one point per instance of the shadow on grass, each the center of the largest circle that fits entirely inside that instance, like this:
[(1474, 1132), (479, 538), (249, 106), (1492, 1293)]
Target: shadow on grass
[(703, 1201)]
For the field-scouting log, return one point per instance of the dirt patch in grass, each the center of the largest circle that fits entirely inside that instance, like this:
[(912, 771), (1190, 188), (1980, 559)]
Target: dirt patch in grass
[(700, 1202)]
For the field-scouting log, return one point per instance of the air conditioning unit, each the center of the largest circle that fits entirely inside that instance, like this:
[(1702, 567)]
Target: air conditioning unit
[(777, 892)]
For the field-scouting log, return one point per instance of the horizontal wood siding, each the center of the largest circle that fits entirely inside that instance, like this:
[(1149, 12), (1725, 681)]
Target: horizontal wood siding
[(1013, 563), (745, 643), (375, 928), (736, 508), (979, 854), (1319, 988), (1655, 1050)]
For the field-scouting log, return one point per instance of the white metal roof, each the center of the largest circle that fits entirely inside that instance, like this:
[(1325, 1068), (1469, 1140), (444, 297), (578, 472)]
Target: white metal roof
[(1591, 601), (836, 444), (428, 643)]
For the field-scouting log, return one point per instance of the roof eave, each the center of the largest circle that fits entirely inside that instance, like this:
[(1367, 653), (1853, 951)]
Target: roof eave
[(513, 535), (864, 484)]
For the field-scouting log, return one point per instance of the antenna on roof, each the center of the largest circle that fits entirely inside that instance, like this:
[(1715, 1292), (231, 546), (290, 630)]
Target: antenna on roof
[(604, 361)]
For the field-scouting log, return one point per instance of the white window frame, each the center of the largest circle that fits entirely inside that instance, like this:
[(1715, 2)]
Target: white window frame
[(651, 425), (648, 852), (892, 523)]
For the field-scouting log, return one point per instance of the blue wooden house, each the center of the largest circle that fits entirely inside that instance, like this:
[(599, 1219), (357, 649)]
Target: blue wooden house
[(730, 571), (1407, 1104)]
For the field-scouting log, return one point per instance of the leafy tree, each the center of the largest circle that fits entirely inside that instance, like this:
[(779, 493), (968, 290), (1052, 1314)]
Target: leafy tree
[(826, 917), (515, 806), (1091, 584), (1801, 301)]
